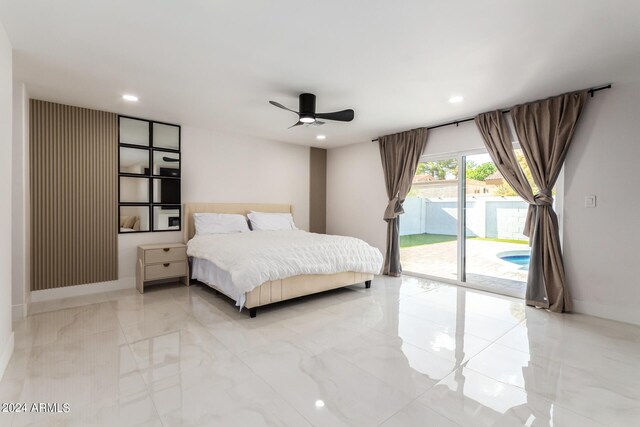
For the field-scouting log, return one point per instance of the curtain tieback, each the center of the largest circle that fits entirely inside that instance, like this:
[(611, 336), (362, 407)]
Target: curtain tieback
[(543, 198), (394, 208)]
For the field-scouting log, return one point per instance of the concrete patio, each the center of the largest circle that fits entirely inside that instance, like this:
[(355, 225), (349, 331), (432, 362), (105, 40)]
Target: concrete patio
[(483, 267)]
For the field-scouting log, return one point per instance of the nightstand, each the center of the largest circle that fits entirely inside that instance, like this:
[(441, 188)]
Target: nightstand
[(162, 261)]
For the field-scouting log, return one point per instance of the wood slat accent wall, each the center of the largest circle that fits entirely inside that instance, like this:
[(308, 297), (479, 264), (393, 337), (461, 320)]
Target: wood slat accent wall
[(74, 195)]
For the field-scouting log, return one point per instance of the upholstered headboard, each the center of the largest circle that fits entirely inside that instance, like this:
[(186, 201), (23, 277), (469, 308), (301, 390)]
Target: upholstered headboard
[(230, 208)]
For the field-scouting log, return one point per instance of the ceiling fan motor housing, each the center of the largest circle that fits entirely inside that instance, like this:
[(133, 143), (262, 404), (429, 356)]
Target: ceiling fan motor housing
[(307, 105)]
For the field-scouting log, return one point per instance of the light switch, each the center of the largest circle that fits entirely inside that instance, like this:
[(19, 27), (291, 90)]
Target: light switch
[(590, 201)]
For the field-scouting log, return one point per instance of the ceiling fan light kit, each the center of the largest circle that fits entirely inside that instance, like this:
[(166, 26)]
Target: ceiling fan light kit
[(307, 112)]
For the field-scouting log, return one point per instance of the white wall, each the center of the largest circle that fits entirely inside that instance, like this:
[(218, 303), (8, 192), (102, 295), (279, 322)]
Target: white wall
[(221, 167), (19, 202), (453, 139), (600, 245), (226, 168), (356, 196), (6, 101)]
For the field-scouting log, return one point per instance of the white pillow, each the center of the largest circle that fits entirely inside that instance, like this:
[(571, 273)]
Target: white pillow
[(262, 221), (218, 223)]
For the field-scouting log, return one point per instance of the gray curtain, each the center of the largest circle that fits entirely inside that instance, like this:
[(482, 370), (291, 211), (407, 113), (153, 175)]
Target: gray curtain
[(544, 130), (400, 155), (497, 139)]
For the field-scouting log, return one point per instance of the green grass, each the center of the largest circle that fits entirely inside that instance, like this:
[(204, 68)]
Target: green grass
[(424, 239), (430, 239)]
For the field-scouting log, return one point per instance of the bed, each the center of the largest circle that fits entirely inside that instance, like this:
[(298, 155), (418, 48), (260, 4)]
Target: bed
[(269, 291)]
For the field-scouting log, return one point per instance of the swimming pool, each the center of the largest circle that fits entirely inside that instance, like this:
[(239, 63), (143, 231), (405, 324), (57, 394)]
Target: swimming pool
[(520, 258)]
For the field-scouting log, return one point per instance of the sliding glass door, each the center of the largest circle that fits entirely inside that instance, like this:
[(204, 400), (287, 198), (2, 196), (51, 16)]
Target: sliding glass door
[(496, 253), (463, 223), (429, 226)]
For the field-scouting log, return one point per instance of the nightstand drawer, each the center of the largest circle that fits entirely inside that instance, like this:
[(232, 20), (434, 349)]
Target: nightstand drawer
[(152, 256), (165, 270)]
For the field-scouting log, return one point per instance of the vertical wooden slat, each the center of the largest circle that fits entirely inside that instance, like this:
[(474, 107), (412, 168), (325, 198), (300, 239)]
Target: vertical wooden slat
[(73, 166)]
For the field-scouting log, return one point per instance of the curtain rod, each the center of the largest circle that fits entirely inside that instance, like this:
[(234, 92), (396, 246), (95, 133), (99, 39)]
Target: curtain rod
[(457, 122)]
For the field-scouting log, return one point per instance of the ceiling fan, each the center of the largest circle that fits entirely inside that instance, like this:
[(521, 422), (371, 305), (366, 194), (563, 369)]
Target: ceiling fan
[(308, 115)]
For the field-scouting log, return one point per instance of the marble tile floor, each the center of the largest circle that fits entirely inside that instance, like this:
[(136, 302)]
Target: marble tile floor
[(406, 352)]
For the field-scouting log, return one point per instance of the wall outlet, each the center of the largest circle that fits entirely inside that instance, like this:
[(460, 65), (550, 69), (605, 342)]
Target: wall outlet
[(590, 201)]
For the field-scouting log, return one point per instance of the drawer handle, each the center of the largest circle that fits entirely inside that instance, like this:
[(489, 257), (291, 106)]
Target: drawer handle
[(166, 249), (166, 264)]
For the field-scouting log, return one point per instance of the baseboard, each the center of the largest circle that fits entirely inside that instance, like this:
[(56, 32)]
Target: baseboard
[(18, 311), (79, 290), (6, 354), (607, 311)]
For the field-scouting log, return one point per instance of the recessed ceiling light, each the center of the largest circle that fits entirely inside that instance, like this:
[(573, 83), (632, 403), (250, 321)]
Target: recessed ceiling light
[(319, 403), (456, 99), (321, 137), (131, 98)]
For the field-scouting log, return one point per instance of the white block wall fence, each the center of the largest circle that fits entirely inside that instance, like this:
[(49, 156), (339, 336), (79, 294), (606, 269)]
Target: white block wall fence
[(492, 217)]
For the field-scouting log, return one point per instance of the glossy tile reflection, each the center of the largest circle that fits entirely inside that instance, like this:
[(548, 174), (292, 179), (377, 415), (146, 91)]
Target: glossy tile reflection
[(406, 352)]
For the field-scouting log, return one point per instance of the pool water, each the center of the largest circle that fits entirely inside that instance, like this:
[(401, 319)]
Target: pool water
[(522, 260), (517, 259)]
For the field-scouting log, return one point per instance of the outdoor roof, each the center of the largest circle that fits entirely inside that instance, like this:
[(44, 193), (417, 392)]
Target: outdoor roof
[(495, 175)]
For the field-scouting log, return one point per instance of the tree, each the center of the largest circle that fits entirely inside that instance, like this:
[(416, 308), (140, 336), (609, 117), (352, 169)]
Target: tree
[(440, 169), (480, 172), (448, 169)]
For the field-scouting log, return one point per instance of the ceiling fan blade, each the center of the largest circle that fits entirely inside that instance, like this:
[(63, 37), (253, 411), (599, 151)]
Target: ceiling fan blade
[(297, 124), (277, 104), (341, 116), (316, 123)]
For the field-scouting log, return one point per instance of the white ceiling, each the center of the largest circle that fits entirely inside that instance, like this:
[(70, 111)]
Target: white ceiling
[(215, 64)]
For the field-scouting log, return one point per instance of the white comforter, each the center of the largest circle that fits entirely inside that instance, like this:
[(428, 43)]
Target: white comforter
[(258, 256)]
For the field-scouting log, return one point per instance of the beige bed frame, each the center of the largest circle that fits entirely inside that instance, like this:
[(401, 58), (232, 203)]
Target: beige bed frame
[(276, 290)]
